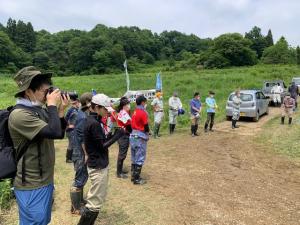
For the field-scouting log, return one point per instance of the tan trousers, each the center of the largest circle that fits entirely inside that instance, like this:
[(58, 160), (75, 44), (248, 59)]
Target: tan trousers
[(286, 112), (98, 190)]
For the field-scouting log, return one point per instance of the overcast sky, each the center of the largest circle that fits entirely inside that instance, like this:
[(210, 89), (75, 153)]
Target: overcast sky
[(205, 18)]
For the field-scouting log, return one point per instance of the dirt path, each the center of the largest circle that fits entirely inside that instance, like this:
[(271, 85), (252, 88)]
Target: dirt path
[(220, 178), (249, 128)]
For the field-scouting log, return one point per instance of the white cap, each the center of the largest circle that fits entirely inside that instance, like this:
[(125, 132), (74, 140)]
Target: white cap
[(103, 100)]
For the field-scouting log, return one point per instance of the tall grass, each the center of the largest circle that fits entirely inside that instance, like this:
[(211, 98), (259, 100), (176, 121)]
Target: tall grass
[(186, 82)]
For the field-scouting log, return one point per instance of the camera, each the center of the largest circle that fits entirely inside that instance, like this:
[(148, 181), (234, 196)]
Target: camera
[(72, 94)]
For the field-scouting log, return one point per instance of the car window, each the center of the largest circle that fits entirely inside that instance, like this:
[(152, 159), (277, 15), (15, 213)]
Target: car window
[(257, 95), (262, 96), (296, 80), (244, 97)]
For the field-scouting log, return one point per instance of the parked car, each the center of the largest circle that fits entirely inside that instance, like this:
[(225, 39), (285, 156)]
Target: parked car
[(297, 82), (254, 104), (268, 85)]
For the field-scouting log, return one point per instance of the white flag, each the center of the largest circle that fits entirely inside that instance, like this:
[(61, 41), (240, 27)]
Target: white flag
[(127, 75)]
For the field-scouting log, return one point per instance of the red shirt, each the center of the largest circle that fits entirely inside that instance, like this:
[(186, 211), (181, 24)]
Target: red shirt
[(139, 119)]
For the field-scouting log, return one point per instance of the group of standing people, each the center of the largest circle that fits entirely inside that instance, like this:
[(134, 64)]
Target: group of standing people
[(91, 133), (196, 109), (288, 102), (175, 109)]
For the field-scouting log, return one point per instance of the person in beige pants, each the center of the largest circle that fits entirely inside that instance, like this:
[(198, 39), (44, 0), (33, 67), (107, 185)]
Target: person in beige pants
[(96, 146)]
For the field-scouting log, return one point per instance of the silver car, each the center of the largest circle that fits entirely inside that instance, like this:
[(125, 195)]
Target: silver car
[(254, 104)]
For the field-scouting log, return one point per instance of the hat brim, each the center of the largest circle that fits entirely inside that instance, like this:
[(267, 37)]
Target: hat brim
[(26, 86)]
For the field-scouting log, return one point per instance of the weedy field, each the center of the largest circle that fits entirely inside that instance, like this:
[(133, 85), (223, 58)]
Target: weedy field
[(186, 82)]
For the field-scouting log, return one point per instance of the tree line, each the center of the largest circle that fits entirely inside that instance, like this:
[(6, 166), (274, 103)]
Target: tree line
[(104, 49)]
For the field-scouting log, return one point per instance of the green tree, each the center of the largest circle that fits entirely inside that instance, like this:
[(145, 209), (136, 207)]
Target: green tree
[(280, 53), (7, 50), (11, 28), (235, 49), (298, 55), (25, 36), (11, 54), (41, 60), (259, 42), (269, 39)]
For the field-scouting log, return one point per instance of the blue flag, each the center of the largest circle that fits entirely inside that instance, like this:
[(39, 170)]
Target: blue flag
[(158, 82)]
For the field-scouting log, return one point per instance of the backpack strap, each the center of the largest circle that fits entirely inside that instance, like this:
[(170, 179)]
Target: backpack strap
[(28, 143)]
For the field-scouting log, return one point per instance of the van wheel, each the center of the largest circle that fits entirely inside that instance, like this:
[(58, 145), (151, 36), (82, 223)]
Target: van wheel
[(228, 118), (256, 118)]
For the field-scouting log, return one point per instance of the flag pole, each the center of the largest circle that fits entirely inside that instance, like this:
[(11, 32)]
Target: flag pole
[(126, 75)]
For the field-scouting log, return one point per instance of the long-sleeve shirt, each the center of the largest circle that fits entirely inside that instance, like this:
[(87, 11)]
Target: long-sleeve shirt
[(175, 103), (94, 138), (276, 89), (211, 104), (236, 103)]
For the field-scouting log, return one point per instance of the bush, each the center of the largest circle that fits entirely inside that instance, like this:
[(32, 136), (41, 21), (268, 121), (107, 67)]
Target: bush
[(5, 194)]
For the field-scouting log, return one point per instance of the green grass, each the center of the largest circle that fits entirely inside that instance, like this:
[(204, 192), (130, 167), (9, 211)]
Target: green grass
[(283, 139), (186, 82)]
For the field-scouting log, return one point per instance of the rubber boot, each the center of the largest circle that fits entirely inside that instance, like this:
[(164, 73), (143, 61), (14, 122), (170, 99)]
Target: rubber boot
[(211, 127), (132, 172), (155, 130), (290, 121), (69, 155), (173, 128), (137, 176), (158, 128), (83, 201), (88, 217), (76, 195), (233, 124), (206, 127), (193, 130), (170, 128), (282, 120), (196, 129), (120, 173)]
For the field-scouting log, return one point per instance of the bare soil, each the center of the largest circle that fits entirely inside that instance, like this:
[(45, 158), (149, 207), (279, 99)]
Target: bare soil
[(218, 178)]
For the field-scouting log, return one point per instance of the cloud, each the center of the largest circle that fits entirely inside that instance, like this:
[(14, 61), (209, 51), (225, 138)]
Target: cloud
[(205, 18)]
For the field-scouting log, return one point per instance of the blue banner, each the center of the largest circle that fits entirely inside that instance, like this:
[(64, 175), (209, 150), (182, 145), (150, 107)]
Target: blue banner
[(158, 82)]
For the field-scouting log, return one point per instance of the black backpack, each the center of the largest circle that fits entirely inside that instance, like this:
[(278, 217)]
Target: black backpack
[(8, 157)]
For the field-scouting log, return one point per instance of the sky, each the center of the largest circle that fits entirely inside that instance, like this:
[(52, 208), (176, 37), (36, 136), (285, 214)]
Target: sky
[(205, 18)]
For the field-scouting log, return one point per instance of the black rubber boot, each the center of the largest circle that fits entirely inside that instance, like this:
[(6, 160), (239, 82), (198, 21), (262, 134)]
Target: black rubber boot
[(233, 124), (173, 128), (69, 154), (206, 127), (196, 129), (170, 128), (88, 217), (76, 195), (83, 201), (193, 130), (211, 127), (290, 121), (132, 172), (120, 173), (155, 130), (282, 120), (137, 176), (158, 128)]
